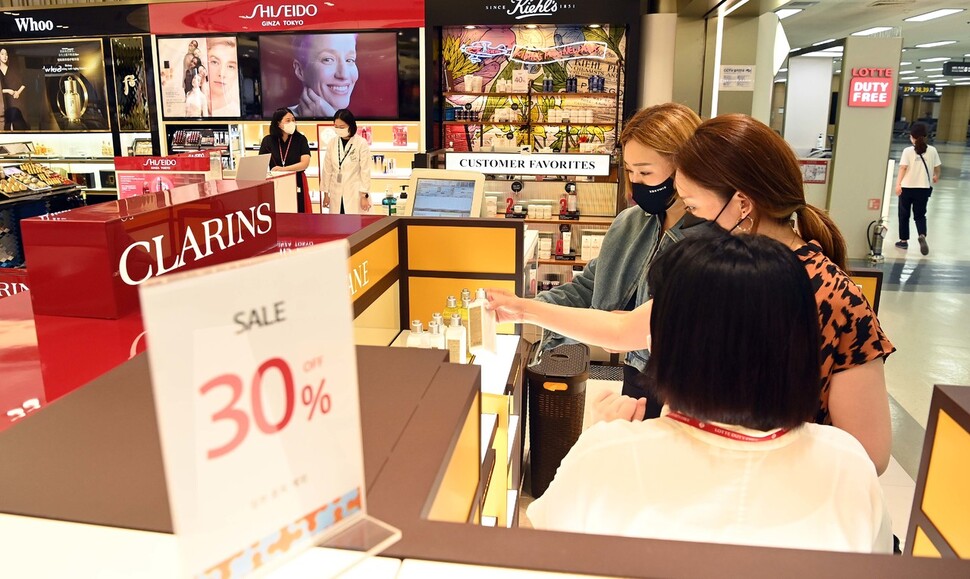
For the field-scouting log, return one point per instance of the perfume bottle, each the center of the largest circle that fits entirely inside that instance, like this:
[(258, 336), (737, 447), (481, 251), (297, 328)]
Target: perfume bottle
[(455, 338), (72, 100)]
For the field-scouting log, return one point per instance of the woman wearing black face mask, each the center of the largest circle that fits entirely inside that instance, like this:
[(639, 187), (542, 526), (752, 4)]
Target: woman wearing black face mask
[(616, 280)]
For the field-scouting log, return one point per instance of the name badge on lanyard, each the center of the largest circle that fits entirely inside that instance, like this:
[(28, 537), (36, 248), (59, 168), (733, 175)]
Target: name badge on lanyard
[(341, 158)]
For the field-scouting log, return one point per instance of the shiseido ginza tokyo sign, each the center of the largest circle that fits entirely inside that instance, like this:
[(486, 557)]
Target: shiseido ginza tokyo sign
[(529, 164)]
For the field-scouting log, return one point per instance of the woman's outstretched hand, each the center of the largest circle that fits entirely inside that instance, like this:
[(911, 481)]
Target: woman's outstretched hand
[(507, 306)]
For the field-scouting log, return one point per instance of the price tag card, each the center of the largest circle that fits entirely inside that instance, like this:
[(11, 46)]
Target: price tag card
[(255, 382)]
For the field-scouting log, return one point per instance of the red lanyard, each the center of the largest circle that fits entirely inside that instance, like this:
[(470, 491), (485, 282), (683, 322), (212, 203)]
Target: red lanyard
[(287, 153), (707, 427)]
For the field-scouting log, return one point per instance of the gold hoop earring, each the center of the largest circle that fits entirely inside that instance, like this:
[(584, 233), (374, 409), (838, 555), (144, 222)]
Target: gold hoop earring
[(750, 227)]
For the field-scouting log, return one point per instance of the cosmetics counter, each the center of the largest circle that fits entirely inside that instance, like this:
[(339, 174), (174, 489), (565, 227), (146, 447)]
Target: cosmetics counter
[(84, 422)]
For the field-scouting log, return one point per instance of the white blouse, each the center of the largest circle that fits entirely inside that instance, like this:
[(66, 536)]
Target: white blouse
[(812, 488)]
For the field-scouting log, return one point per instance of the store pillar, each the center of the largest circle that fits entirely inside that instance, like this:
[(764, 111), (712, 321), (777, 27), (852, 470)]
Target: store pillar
[(864, 124), (745, 54), (657, 54), (954, 115), (807, 102)]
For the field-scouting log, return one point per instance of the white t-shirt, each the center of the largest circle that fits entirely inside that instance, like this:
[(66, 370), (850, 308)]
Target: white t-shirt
[(916, 176), (812, 488)]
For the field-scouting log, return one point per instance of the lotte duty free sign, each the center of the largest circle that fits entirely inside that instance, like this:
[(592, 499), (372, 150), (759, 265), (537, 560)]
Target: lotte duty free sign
[(871, 87)]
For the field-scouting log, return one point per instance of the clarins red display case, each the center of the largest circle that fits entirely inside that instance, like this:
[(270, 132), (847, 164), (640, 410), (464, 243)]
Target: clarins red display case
[(88, 262)]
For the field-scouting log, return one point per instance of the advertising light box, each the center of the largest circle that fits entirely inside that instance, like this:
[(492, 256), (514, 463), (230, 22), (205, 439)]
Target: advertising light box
[(58, 85)]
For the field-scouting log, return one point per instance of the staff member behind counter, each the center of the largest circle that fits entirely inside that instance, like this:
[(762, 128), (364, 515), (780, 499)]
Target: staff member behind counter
[(288, 151), (346, 168)]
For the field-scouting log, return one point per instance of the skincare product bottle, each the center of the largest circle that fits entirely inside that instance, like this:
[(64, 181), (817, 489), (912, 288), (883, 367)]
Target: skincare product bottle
[(451, 307), (466, 294), (463, 310), (402, 199), (436, 336), (389, 201), (567, 238), (456, 340), (481, 324), (72, 100), (417, 338)]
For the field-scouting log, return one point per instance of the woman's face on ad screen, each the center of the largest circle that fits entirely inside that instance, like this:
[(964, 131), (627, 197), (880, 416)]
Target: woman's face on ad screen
[(330, 68), (223, 71)]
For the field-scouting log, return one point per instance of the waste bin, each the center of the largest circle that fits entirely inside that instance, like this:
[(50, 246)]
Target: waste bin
[(557, 396)]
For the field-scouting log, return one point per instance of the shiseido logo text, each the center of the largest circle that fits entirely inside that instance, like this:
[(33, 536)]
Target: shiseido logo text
[(28, 24), (159, 163), (223, 232), (282, 11)]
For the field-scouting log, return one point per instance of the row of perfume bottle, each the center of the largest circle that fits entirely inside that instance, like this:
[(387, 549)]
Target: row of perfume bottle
[(470, 329), (594, 83)]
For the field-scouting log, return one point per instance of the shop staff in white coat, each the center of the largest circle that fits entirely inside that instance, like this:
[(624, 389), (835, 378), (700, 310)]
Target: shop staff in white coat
[(346, 168)]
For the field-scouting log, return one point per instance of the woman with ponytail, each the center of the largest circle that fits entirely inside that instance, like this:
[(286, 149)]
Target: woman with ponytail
[(738, 174), (914, 185)]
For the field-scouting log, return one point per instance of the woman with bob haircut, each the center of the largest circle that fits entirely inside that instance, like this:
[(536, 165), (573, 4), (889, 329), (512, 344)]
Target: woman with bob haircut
[(735, 355), (738, 175)]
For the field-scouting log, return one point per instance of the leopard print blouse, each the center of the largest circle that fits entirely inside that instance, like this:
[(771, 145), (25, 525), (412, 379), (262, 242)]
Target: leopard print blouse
[(851, 335)]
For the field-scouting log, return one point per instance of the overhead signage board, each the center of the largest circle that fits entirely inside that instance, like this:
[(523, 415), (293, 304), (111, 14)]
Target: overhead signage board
[(256, 396), (74, 21), (283, 16), (531, 164), (489, 12), (951, 68)]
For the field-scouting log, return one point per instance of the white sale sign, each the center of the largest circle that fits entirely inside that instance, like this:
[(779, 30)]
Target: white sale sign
[(255, 382)]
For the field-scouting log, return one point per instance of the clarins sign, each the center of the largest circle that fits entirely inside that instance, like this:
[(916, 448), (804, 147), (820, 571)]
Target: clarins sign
[(88, 262), (217, 235)]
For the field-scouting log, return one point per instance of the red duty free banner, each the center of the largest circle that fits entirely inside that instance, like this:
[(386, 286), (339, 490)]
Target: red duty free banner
[(871, 87), (180, 18)]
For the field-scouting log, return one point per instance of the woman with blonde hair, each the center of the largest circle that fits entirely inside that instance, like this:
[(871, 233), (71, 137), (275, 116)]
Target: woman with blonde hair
[(616, 280)]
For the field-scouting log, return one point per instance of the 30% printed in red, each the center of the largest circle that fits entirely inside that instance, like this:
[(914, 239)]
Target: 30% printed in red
[(313, 398)]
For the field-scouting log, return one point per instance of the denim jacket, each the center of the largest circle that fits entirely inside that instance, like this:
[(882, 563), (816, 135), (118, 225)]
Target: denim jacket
[(609, 282)]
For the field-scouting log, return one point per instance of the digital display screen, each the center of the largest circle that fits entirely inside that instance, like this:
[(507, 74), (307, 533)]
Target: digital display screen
[(443, 198), (200, 77), (54, 85), (315, 75)]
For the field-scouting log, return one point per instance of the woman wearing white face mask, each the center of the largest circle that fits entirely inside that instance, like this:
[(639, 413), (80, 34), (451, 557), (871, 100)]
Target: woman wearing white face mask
[(345, 182), (289, 150)]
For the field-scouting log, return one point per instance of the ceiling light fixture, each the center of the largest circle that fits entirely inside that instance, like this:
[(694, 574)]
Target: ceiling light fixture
[(908, 78), (783, 70), (936, 76), (935, 44), (934, 14), (904, 63), (933, 70), (786, 12), (826, 41), (873, 30), (907, 72), (936, 59)]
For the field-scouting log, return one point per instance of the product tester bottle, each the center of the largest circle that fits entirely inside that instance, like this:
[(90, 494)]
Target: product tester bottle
[(481, 325), (436, 336), (418, 338), (456, 340), (451, 307)]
